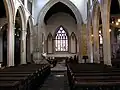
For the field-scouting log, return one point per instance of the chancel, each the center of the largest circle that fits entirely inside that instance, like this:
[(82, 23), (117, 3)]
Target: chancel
[(60, 45)]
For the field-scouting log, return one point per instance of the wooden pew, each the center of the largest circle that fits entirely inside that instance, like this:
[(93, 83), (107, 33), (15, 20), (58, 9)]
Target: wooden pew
[(10, 85), (96, 76), (26, 75)]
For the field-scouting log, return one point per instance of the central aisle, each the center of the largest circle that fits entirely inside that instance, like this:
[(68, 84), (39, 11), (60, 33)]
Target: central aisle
[(57, 80)]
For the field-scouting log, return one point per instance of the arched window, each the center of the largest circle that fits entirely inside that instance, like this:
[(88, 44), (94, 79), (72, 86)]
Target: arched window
[(61, 40), (50, 43), (73, 43)]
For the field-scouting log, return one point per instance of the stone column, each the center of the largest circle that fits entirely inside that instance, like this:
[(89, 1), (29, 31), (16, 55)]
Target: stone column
[(84, 42), (89, 42), (105, 12), (10, 43), (96, 55), (23, 47), (79, 35)]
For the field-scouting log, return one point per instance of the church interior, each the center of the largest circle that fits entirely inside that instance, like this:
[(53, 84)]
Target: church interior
[(59, 45)]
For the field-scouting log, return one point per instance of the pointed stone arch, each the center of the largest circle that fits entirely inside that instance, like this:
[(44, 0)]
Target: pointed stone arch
[(22, 15), (67, 3), (49, 43), (10, 39), (73, 43), (57, 29)]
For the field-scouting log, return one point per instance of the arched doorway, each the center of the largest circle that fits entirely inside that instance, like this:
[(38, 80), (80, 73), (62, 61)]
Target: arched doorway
[(17, 36), (28, 53)]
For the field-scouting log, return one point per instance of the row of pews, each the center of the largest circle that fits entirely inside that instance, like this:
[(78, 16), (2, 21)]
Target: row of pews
[(93, 77), (23, 77)]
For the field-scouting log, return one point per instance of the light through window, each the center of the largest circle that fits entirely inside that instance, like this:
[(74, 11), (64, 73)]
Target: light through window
[(61, 40)]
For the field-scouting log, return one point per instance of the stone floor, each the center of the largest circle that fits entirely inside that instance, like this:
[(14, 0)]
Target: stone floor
[(59, 67), (57, 80)]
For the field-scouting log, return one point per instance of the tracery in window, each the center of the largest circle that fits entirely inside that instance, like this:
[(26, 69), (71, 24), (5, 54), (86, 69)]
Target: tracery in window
[(61, 40)]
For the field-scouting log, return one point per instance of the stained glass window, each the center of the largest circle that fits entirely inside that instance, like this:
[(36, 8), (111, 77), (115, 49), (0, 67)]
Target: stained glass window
[(61, 40)]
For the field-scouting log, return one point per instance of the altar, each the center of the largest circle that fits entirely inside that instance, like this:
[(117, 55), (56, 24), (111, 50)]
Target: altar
[(60, 55)]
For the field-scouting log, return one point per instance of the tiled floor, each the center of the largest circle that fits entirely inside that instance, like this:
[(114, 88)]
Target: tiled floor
[(57, 80)]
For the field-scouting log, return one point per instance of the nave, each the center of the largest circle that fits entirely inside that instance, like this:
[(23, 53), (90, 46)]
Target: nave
[(57, 80)]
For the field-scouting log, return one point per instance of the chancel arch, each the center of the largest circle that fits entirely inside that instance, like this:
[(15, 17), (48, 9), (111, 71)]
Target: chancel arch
[(59, 9), (66, 3)]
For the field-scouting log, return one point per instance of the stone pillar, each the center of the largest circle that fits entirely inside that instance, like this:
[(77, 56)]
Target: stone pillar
[(79, 35), (84, 42), (89, 42), (96, 55), (105, 12), (10, 43), (23, 47)]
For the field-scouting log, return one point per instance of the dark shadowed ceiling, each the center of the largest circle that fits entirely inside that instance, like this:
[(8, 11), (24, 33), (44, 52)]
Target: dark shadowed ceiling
[(58, 7), (2, 9), (115, 9)]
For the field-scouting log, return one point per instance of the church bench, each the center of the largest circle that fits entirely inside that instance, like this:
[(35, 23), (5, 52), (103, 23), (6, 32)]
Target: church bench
[(10, 85), (96, 76), (96, 85), (32, 73), (22, 80)]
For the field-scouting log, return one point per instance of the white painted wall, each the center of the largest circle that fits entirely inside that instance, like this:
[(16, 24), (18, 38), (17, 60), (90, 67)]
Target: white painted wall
[(39, 4)]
